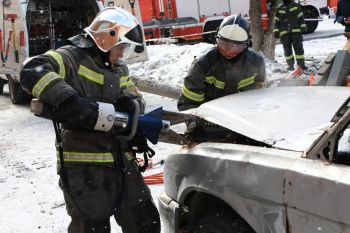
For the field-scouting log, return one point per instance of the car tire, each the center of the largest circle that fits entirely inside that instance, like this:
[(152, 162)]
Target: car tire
[(2, 83), (310, 13), (17, 94), (222, 223)]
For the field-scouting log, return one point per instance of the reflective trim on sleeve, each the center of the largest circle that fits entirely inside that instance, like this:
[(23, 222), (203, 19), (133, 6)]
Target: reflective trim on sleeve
[(277, 18), (125, 82), (283, 32), (293, 9), (129, 156), (282, 11), (276, 30), (217, 83), (296, 30), (91, 75), (246, 82), (303, 25), (300, 14), (59, 60), (87, 157), (192, 95), (43, 82)]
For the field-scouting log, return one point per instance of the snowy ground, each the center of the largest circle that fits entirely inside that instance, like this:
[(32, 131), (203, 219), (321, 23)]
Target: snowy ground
[(30, 199)]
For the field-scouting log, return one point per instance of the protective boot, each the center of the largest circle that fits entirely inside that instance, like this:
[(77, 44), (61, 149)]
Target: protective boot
[(290, 67), (303, 67)]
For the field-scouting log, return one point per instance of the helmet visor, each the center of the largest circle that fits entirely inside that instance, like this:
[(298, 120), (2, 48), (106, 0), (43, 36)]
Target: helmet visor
[(230, 49), (113, 26)]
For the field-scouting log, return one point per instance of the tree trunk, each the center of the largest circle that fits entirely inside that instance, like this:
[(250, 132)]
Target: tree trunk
[(270, 41), (255, 24), (263, 40)]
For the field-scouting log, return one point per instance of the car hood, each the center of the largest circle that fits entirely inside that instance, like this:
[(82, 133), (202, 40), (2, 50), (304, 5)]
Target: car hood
[(289, 118)]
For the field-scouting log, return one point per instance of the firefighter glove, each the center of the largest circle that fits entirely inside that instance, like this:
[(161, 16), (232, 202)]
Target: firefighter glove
[(77, 112), (125, 103), (303, 29)]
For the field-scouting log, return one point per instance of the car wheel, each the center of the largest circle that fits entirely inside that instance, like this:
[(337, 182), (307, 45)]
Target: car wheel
[(222, 223), (17, 94), (310, 13), (2, 83)]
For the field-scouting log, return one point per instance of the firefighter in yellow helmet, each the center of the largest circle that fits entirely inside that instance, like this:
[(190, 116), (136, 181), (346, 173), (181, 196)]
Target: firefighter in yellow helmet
[(85, 82)]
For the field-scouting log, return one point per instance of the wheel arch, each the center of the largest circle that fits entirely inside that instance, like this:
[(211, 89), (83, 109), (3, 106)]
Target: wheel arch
[(198, 203)]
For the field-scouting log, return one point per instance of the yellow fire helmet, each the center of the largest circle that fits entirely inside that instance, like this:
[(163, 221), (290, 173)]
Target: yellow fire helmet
[(113, 26)]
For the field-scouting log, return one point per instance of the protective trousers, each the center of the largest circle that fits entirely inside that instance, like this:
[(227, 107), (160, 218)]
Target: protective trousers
[(294, 41), (96, 189)]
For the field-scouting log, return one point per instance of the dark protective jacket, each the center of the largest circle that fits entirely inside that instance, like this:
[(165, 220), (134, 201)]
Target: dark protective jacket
[(212, 76), (343, 11), (289, 18), (73, 69)]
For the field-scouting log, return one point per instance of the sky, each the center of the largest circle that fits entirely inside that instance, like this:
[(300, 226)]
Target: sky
[(30, 199)]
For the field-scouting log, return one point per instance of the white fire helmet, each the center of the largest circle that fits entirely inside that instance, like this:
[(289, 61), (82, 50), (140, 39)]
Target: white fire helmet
[(234, 28), (114, 26)]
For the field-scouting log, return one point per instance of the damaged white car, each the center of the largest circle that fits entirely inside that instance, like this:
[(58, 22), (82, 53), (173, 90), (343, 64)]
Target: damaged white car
[(282, 167)]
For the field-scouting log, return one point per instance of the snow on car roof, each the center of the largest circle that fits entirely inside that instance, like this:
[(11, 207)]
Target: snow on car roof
[(285, 117)]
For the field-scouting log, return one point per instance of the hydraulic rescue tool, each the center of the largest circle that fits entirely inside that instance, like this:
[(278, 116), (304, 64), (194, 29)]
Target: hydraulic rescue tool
[(151, 124)]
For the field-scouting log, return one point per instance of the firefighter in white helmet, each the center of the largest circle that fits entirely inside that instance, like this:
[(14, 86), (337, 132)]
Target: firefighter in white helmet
[(85, 82), (229, 67)]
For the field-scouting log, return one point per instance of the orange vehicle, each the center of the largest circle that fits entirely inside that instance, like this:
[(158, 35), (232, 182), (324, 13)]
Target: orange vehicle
[(194, 20)]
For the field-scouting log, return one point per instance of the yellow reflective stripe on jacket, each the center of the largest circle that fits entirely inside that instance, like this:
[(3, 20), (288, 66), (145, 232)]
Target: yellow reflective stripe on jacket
[(275, 30), (87, 157), (283, 32), (303, 25), (192, 95), (246, 82), (300, 14), (293, 9), (59, 60), (282, 11), (277, 18), (91, 75), (43, 82), (296, 30), (217, 83), (125, 82)]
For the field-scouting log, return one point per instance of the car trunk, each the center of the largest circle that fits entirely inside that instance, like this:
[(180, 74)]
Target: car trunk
[(50, 23)]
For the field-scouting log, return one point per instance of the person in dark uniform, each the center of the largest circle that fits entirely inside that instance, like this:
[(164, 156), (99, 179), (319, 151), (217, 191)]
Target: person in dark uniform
[(85, 82), (289, 26), (229, 67), (343, 17)]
